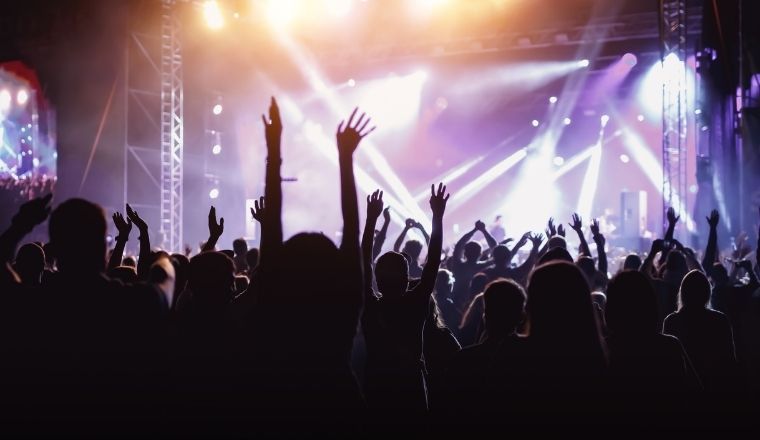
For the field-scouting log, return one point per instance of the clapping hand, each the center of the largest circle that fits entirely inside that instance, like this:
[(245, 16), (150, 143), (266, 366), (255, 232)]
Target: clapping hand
[(123, 226), (135, 218)]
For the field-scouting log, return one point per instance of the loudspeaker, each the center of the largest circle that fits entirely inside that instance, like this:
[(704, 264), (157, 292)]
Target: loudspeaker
[(633, 213)]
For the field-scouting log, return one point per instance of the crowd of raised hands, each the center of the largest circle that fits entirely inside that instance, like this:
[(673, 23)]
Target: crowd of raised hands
[(303, 336)]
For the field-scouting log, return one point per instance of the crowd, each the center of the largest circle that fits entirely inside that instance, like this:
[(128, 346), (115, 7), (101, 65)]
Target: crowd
[(306, 337)]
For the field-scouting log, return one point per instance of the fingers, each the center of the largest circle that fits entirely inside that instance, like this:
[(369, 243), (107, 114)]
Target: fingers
[(351, 118), (340, 127), (221, 222), (359, 121)]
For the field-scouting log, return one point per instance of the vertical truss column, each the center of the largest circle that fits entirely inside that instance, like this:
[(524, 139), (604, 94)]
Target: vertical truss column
[(172, 129), (673, 50)]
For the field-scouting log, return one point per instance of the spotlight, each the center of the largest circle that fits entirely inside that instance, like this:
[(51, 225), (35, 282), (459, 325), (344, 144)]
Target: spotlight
[(567, 121), (624, 158), (604, 120), (351, 82), (22, 96), (339, 8), (213, 14), (552, 100), (583, 63), (640, 118), (216, 149), (559, 161), (217, 109), (693, 188), (630, 59), (214, 193), (281, 12), (698, 111), (534, 122)]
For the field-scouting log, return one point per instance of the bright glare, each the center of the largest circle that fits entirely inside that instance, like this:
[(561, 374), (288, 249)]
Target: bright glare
[(670, 71), (351, 82), (217, 109), (213, 15), (552, 100), (583, 63), (559, 161), (590, 182), (425, 7), (22, 96), (393, 102), (214, 193), (640, 118), (534, 122), (567, 121), (5, 100), (216, 149), (604, 120), (281, 12), (624, 158)]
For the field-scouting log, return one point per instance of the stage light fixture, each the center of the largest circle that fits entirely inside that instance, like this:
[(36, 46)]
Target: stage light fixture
[(552, 100), (583, 63), (217, 109), (351, 82), (604, 120), (624, 158), (281, 12), (640, 118), (216, 149), (558, 161), (214, 193), (630, 59), (534, 123), (567, 121), (213, 15), (22, 96)]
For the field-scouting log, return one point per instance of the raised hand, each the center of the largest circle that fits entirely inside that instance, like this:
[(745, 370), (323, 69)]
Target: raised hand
[(594, 227), (273, 128), (438, 199), (657, 246), (215, 229), (551, 231), (123, 226), (350, 133), (672, 218), (576, 223), (561, 230), (713, 219), (480, 226), (387, 214), (375, 204), (536, 240), (33, 212), (258, 209), (135, 218), (410, 223)]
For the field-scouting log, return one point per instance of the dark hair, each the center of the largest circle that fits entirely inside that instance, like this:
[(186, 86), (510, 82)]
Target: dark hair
[(392, 273), (252, 258), (240, 246), (211, 278), (413, 248), (500, 254), (695, 290), (631, 304), (504, 302), (632, 262), (556, 254), (472, 251), (77, 231)]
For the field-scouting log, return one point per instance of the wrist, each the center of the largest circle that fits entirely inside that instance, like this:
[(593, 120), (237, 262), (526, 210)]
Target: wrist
[(121, 238)]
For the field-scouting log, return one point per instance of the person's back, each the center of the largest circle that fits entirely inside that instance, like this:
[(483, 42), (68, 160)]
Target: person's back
[(705, 333)]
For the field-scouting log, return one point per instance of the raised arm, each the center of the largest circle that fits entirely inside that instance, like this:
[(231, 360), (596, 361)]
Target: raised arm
[(672, 220), (215, 230), (712, 241), (124, 227), (348, 136), (424, 233), (374, 208), (522, 272), (480, 226), (577, 225), (29, 215), (271, 226), (379, 239), (459, 246), (600, 242), (143, 262), (648, 263), (438, 199), (400, 240)]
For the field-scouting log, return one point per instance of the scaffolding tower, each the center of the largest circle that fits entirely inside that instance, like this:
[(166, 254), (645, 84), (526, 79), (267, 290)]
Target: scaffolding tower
[(673, 52)]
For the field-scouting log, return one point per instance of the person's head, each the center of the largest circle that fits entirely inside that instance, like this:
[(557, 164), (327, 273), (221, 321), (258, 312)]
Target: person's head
[(719, 274), (413, 248), (478, 283), (163, 276), (560, 313), (556, 241), (125, 274), (211, 279), (504, 302), (675, 264), (239, 246), (181, 272), (695, 291), (228, 252), (556, 254), (252, 258), (77, 230), (129, 261), (30, 263), (444, 283), (632, 262), (500, 255), (472, 251), (49, 257), (241, 284), (392, 274), (631, 305)]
